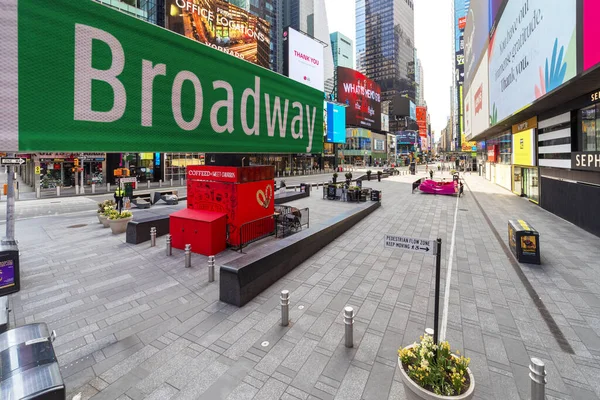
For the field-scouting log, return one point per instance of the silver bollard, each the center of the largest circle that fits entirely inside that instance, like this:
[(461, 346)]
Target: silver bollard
[(169, 249), (180, 181), (160, 183), (537, 373), (188, 255), (153, 236), (148, 184), (285, 307), (108, 187), (76, 189), (93, 188), (82, 191), (171, 181), (349, 322), (58, 191), (211, 268)]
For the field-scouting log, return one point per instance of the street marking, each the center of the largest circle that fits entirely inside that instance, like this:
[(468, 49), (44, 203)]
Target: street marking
[(448, 278)]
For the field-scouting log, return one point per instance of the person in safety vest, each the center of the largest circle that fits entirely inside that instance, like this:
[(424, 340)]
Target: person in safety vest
[(119, 194)]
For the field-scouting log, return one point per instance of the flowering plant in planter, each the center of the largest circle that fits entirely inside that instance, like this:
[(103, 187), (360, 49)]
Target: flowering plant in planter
[(445, 375), (114, 214), (106, 203)]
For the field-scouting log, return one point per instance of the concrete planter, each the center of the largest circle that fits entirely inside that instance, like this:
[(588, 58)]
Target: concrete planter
[(100, 217), (119, 225), (103, 220), (415, 392)]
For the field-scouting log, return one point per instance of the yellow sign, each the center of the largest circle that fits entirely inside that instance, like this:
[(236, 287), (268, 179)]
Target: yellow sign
[(528, 244), (38, 170), (524, 225), (531, 123), (523, 148)]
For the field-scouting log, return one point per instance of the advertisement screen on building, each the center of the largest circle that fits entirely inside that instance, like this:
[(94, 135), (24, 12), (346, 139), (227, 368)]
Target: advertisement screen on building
[(222, 26), (422, 120), (304, 59), (476, 37), (479, 99), (523, 148), (336, 123), (591, 33), (468, 115), (413, 111), (362, 96), (532, 52), (385, 122), (406, 137), (103, 81)]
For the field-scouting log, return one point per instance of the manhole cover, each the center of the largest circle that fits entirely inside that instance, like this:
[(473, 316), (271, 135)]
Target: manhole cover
[(77, 226)]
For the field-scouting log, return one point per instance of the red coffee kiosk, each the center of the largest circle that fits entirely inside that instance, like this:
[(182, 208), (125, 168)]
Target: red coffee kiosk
[(220, 201)]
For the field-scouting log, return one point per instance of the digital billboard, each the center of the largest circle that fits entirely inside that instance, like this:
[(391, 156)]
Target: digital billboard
[(406, 137), (479, 99), (413, 111), (476, 37), (591, 33), (304, 59), (222, 26), (94, 79), (533, 50), (422, 120), (336, 123), (362, 96)]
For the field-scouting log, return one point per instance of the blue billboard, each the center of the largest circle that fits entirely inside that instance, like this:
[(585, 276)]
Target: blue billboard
[(406, 137), (413, 111), (336, 123)]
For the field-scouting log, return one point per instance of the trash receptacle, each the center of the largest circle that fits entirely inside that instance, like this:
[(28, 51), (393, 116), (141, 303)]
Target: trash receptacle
[(305, 188), (524, 241), (375, 195), (28, 365)]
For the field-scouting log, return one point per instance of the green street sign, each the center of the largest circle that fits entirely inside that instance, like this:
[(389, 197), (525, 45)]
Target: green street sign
[(78, 76)]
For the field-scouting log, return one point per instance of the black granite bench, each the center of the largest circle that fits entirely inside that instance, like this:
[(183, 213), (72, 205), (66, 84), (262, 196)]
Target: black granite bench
[(246, 277), (286, 197), (138, 231)]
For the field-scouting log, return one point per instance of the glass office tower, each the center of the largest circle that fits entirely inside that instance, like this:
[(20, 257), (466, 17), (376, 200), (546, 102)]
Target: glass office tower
[(385, 48)]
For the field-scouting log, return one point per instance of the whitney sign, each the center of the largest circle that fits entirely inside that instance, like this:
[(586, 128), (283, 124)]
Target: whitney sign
[(94, 79)]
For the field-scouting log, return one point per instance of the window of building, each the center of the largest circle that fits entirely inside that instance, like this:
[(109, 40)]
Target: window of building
[(589, 123), (504, 143)]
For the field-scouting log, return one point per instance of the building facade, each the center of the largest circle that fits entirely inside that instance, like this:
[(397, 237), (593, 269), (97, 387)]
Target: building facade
[(310, 17), (385, 48), (542, 143)]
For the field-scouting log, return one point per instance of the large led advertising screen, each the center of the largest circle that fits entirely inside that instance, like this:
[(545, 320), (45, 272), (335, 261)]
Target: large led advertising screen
[(532, 52), (336, 123), (479, 100), (222, 26), (591, 33), (304, 59), (476, 37), (362, 96)]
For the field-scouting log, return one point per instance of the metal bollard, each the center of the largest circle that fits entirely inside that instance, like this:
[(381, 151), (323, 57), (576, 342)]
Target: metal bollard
[(153, 236), (188, 255), (537, 373), (171, 181), (148, 184), (108, 187), (211, 268), (93, 188), (82, 191), (58, 191), (180, 181), (160, 183), (76, 189), (349, 322), (285, 307), (169, 249)]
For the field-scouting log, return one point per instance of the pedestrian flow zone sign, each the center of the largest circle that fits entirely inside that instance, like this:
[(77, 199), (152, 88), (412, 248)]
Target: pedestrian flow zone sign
[(423, 246)]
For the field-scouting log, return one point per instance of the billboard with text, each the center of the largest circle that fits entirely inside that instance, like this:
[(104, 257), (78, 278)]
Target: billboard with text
[(591, 33), (532, 52), (304, 59), (362, 96), (222, 26), (336, 123), (96, 80)]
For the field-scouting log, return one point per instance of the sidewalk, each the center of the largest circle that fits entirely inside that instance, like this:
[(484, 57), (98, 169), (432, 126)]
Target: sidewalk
[(134, 324)]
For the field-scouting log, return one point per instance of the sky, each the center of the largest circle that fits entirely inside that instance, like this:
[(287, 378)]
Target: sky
[(433, 40)]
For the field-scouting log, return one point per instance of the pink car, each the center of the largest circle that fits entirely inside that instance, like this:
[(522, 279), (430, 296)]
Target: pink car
[(435, 187)]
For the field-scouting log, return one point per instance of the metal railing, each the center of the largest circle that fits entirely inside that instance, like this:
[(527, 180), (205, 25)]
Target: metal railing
[(254, 230), (291, 220)]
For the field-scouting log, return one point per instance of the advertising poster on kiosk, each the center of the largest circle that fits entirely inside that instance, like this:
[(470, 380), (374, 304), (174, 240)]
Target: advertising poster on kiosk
[(362, 96), (533, 51), (222, 26), (303, 59)]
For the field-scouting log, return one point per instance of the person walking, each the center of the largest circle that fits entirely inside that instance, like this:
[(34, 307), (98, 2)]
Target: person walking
[(460, 189), (119, 194), (431, 173)]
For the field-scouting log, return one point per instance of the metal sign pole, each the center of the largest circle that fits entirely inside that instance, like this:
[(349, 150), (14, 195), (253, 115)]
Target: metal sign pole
[(10, 206), (436, 313)]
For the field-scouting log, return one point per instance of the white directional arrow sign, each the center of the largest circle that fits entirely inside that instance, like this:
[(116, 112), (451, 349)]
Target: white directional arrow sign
[(423, 246), (11, 161)]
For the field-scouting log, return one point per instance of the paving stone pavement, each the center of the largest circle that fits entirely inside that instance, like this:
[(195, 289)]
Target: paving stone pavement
[(134, 324)]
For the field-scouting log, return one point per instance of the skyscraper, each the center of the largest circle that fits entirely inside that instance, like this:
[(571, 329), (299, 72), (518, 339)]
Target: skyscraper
[(420, 80), (385, 48), (310, 17), (341, 47)]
